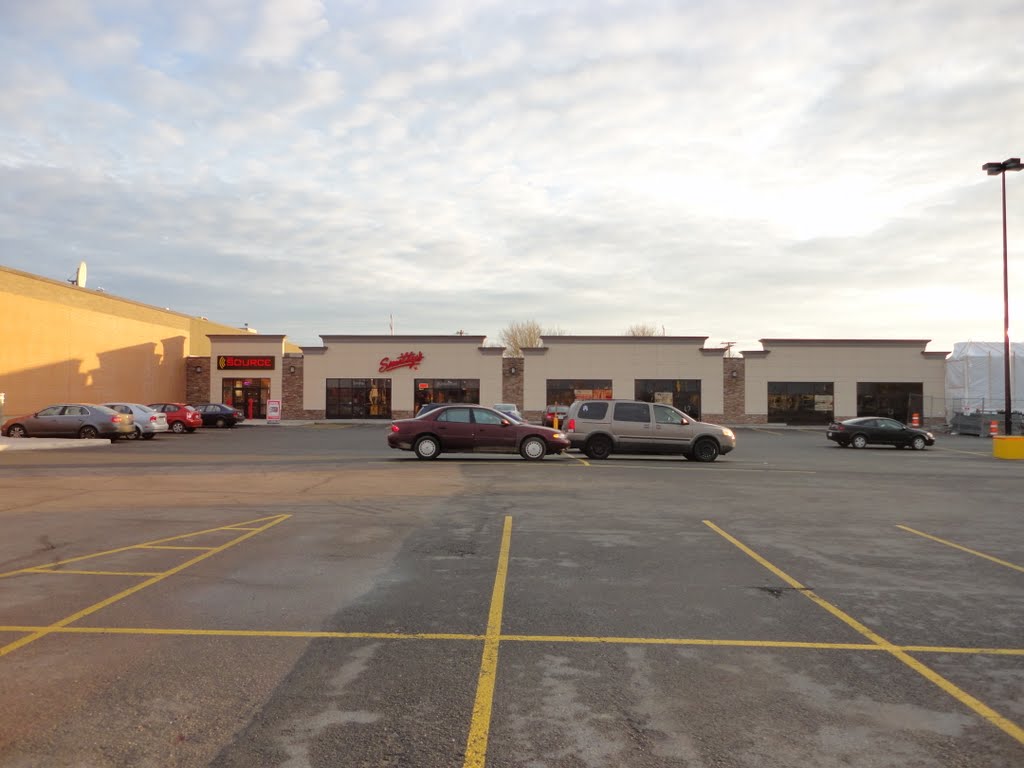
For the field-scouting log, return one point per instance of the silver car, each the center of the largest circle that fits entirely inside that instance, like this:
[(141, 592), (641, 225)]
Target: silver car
[(82, 420), (602, 427), (148, 423)]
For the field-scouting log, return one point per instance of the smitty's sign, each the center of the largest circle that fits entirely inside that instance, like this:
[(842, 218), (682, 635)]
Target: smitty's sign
[(410, 360), (245, 362)]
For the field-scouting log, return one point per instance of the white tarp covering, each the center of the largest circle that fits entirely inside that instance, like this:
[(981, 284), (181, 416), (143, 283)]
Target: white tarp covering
[(975, 374)]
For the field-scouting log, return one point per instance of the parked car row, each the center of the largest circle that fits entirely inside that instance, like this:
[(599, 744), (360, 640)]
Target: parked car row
[(113, 421), (598, 428)]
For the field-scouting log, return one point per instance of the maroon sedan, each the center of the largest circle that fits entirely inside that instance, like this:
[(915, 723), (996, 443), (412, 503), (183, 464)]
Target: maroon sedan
[(473, 429)]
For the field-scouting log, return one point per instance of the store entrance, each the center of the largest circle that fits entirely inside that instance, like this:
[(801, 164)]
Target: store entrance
[(247, 395)]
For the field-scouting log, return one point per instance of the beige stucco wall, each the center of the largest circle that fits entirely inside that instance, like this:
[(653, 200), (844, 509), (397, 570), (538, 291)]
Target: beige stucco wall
[(623, 359), (444, 357), (251, 344), (64, 343), (845, 362)]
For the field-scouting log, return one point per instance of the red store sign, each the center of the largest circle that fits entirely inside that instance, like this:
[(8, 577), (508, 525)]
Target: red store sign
[(245, 362), (405, 360)]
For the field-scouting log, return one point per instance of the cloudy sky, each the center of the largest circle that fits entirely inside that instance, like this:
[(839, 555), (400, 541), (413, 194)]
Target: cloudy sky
[(731, 168)]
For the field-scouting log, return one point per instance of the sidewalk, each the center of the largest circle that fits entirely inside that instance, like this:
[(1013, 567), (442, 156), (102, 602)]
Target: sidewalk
[(48, 443)]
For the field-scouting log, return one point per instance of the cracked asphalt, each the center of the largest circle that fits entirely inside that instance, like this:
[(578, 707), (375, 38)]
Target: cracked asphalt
[(300, 597)]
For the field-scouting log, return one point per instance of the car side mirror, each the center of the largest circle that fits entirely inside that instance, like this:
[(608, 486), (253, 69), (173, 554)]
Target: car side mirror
[(685, 423), (506, 423)]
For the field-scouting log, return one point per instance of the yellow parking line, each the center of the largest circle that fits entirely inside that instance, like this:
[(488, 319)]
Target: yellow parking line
[(975, 552), (698, 642), (23, 641), (480, 725), (131, 546), (94, 573), (237, 528), (269, 633), (161, 546), (580, 459), (979, 707)]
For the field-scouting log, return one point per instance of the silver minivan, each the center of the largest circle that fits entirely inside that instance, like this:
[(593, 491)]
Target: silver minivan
[(602, 427)]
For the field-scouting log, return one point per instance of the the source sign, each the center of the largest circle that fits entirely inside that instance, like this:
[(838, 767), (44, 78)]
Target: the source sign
[(245, 363)]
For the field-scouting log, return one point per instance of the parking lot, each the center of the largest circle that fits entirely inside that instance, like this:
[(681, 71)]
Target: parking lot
[(304, 596)]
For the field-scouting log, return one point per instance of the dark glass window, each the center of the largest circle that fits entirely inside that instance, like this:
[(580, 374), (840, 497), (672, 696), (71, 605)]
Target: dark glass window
[(456, 415), (565, 391), (800, 402), (894, 400), (358, 399), (639, 412), (445, 391), (593, 411), (683, 394), (487, 417)]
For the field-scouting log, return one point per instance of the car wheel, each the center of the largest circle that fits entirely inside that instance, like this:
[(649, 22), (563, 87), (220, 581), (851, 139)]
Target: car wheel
[(599, 447), (177, 427), (427, 447), (859, 441), (705, 450), (16, 430), (88, 433), (533, 449), (917, 443), (149, 436), (220, 423), (135, 435)]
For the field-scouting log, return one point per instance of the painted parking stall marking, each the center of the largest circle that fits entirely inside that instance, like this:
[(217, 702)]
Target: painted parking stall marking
[(962, 548), (269, 522)]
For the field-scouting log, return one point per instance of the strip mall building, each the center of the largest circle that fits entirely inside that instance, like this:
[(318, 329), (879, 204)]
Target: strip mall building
[(71, 344)]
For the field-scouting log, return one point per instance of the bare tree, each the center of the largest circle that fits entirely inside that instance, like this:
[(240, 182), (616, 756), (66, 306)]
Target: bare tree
[(645, 329), (526, 333)]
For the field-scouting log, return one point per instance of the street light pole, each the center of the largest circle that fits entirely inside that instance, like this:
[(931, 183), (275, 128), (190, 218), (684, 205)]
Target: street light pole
[(1000, 169)]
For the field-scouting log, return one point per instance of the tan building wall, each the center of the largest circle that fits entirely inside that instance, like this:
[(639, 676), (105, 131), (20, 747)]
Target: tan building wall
[(844, 362), (66, 343), (251, 344), (444, 357), (624, 359)]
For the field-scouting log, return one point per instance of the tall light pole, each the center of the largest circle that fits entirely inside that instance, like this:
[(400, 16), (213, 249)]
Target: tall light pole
[(1000, 169)]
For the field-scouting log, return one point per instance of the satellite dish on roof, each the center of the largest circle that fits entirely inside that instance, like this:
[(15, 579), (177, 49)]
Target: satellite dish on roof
[(80, 275)]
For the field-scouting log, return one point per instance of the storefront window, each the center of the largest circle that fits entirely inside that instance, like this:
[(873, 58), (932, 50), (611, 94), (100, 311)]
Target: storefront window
[(247, 395), (684, 394), (896, 401), (446, 391), (800, 402), (564, 391), (358, 399)]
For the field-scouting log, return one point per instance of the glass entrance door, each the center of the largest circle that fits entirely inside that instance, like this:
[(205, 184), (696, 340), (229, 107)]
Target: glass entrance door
[(247, 395)]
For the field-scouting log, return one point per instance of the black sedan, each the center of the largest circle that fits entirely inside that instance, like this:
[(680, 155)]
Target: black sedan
[(876, 430), (473, 429), (219, 415)]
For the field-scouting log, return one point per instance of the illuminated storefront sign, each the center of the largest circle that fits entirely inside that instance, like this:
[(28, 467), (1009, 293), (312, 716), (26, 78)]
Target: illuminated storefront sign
[(405, 360), (245, 362)]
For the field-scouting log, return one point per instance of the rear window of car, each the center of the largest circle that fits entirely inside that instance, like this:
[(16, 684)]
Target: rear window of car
[(632, 412), (593, 411)]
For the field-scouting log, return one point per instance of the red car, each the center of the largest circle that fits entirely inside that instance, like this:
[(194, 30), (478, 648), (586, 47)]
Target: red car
[(553, 412), (180, 417), (473, 429)]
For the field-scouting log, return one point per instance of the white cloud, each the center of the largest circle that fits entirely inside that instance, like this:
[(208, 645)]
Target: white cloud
[(284, 27)]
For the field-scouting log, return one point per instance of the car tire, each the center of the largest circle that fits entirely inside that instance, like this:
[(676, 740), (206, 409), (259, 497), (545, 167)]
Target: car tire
[(220, 423), (89, 433), (598, 448), (134, 435), (918, 443), (859, 441), (16, 430), (177, 427), (149, 436), (427, 448), (533, 449), (705, 450)]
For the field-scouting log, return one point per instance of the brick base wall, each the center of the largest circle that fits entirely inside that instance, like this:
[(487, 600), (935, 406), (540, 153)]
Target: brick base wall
[(197, 382)]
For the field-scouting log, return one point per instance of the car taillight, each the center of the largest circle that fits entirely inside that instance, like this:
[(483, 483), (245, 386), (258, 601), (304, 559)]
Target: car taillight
[(395, 428), (115, 419), (153, 419), (571, 426)]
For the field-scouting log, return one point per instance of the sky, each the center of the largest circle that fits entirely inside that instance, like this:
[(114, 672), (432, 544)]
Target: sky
[(733, 169)]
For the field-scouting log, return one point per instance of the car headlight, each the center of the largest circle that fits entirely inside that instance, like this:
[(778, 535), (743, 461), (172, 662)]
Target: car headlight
[(559, 436), (728, 432)]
